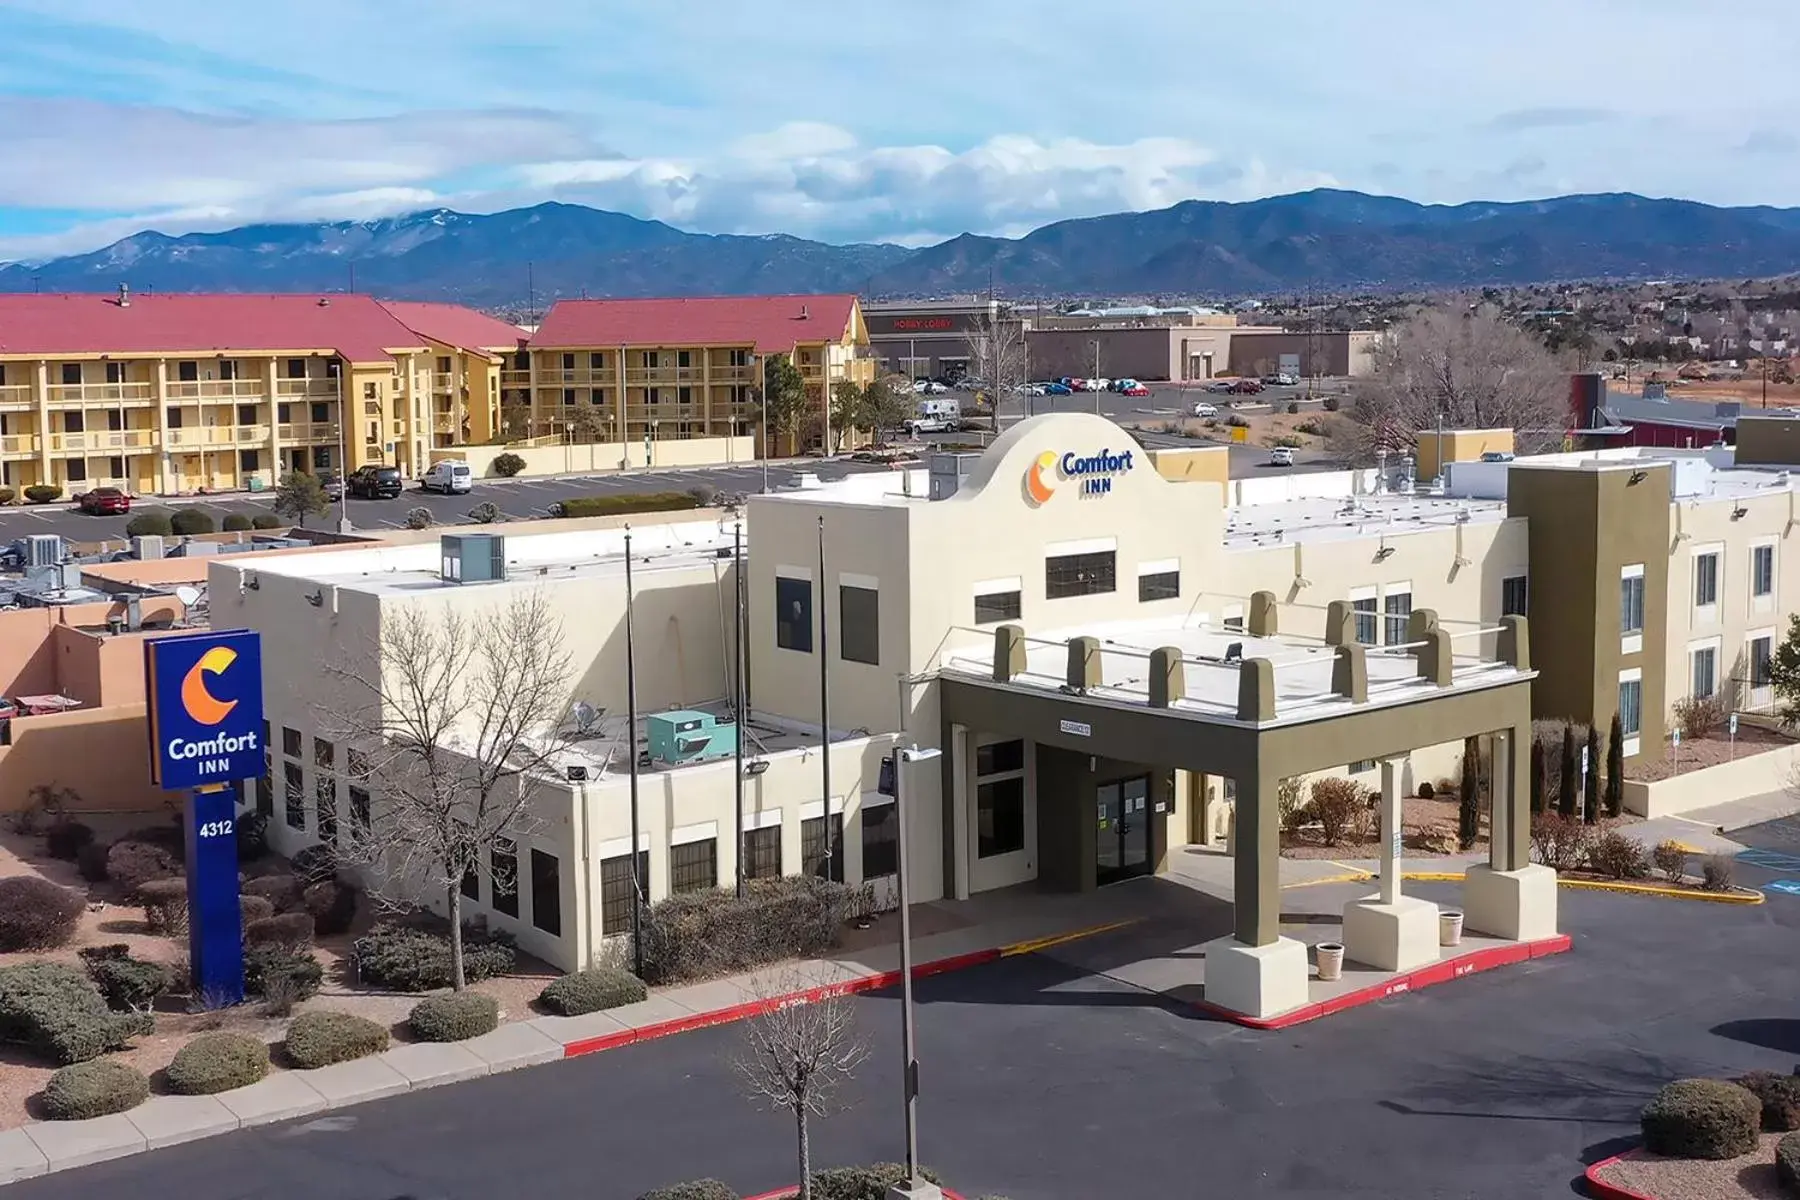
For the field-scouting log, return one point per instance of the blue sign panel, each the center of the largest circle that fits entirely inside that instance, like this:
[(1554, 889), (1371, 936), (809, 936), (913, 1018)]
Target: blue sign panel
[(205, 696), (215, 935)]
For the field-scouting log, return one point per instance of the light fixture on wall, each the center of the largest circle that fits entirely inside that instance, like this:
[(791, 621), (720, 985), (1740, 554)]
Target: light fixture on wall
[(1385, 553), (316, 599), (252, 582), (756, 766), (1637, 477), (1739, 513)]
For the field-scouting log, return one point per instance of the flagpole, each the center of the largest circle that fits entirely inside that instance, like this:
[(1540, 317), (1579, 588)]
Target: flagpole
[(631, 753), (824, 703), (738, 705)]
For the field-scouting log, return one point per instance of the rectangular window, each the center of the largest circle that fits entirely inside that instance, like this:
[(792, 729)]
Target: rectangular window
[(503, 877), (1762, 570), (762, 852), (880, 839), (740, 358), (187, 372), (290, 742), (1706, 579), (359, 813), (1164, 585), (1398, 608), (249, 460), (997, 758), (859, 625), (684, 395), (1762, 654), (813, 835), (1363, 611), (568, 362), (1631, 707), (371, 391), (694, 866), (443, 364), (319, 413), (471, 885), (71, 374), (357, 763), (683, 358), (296, 368), (568, 395), (295, 787), (652, 360), (75, 470), (546, 893), (115, 467), (115, 372), (174, 417), (1631, 604), (596, 362), (616, 888), (284, 413), (1706, 671), (1515, 595), (246, 414), (1361, 766), (996, 606), (228, 368), (265, 786), (1000, 817), (325, 796), (324, 753), (1069, 575), (793, 614), (72, 423)]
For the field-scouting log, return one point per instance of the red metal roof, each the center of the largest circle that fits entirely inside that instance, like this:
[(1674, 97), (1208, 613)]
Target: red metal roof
[(772, 324), (454, 325), (355, 327)]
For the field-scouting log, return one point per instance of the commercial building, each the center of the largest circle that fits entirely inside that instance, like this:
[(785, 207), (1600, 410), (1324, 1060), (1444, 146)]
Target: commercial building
[(1174, 345), (931, 339)]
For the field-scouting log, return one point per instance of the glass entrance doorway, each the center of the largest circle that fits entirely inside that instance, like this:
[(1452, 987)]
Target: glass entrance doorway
[(1122, 848)]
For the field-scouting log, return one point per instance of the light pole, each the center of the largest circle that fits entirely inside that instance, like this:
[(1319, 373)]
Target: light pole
[(913, 1187), (1096, 376)]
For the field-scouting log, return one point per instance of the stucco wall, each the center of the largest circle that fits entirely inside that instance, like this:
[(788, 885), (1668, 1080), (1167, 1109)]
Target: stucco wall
[(1747, 775), (605, 456), (102, 753)]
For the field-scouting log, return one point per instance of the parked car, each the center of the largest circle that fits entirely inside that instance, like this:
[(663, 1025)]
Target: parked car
[(333, 483), (1281, 456), (1203, 409), (375, 483), (1102, 384), (1286, 380), (1246, 387), (103, 501), (1137, 389), (449, 477), (1220, 386), (1057, 389), (1028, 389)]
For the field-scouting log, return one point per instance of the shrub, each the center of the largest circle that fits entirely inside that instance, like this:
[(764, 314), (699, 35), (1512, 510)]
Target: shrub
[(1293, 407), (1701, 1118), (133, 864), (408, 959), (266, 521), (217, 1062), (236, 523), (862, 1183), (1426, 790), (455, 1017), (419, 518), (484, 513), (281, 891), (1288, 440), (152, 522), (697, 934), (1787, 1164), (332, 907), (293, 930), (1290, 804), (186, 522), (600, 506), (252, 832), (697, 1189), (1335, 803), (1237, 422), (1717, 872), (508, 464), (36, 914), (90, 861), (7, 495), (282, 974), (65, 838), (93, 1089), (165, 903), (1697, 716), (1669, 858), (1330, 403), (1779, 1096), (127, 984), (705, 495), (591, 991), (318, 1039), (56, 1013), (42, 493), (1616, 856), (1560, 843), (315, 864), (169, 837)]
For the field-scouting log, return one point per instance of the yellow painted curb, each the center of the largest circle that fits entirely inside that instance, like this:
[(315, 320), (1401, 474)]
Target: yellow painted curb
[(1740, 896), (1432, 876), (1351, 877), (1058, 939)]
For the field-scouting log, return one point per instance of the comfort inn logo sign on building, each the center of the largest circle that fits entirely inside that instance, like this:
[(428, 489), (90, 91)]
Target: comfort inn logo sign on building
[(1093, 473), (205, 694)]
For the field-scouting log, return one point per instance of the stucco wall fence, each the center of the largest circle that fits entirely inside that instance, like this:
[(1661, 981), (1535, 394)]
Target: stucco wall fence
[(1748, 775), (606, 456)]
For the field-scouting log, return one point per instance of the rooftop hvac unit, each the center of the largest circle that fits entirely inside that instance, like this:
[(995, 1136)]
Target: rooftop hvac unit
[(43, 550), (473, 557), (947, 471), (688, 736), (146, 547)]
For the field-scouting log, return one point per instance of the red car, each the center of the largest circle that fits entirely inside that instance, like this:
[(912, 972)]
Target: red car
[(1138, 390), (1246, 387), (104, 500)]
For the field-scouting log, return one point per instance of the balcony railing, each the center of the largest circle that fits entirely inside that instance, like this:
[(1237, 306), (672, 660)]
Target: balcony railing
[(102, 439), (18, 443), (515, 379), (306, 387), (443, 381), (15, 397), (308, 431), (639, 376), (74, 395), (223, 388), (217, 435)]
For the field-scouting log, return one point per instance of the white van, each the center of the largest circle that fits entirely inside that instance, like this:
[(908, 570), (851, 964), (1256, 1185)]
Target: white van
[(449, 477)]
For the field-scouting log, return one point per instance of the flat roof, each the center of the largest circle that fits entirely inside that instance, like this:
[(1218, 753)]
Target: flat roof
[(1326, 518), (603, 748)]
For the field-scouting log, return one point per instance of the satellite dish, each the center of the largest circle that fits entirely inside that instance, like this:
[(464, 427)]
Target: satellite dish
[(187, 595), (587, 717)]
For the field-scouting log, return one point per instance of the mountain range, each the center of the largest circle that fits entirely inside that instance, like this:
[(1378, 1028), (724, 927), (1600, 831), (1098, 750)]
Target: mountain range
[(1325, 240)]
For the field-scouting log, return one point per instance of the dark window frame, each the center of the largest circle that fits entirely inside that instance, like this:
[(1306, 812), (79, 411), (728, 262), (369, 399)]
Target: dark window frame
[(793, 632), (1515, 595), (859, 624), (1091, 574), (994, 607), (615, 890), (1159, 585), (762, 852), (812, 845), (1000, 815), (293, 783), (546, 917), (503, 877), (694, 866), (880, 839)]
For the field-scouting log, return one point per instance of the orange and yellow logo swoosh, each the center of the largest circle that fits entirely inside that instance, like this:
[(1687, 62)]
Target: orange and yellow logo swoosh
[(1036, 486), (202, 705)]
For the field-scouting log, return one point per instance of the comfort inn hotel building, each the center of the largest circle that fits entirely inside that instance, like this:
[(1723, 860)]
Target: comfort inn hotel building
[(1120, 652)]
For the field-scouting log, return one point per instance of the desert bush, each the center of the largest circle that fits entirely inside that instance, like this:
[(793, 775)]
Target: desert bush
[(592, 990), (484, 513), (236, 523), (508, 464), (217, 1062), (266, 521), (165, 903), (862, 1183), (1779, 1096), (1701, 1118), (1616, 856), (293, 929), (696, 1189), (90, 861), (1311, 425), (1290, 803), (1559, 842), (93, 1089), (704, 494), (252, 836), (318, 1039), (169, 836), (36, 914), (1787, 1164), (252, 909), (281, 891), (315, 864), (1717, 871), (1426, 789), (1336, 803), (420, 518), (408, 959), (65, 838), (282, 975), (1237, 422), (149, 523), (133, 864), (1669, 858), (454, 1017), (1697, 716), (186, 522), (332, 907), (1288, 440), (56, 1013), (7, 495), (127, 984), (1293, 407), (1330, 404), (600, 506), (42, 493), (697, 934)]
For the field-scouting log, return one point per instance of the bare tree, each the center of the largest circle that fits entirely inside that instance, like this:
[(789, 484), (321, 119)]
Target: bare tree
[(585, 423), (1460, 370), (451, 722), (997, 356), (797, 1056)]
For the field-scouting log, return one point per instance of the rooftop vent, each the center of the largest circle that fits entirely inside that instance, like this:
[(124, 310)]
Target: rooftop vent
[(124, 295), (805, 312), (473, 557), (947, 471), (324, 302)]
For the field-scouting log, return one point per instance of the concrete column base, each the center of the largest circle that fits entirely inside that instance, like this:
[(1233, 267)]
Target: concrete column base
[(1517, 905), (1257, 981), (1391, 937), (919, 1191)]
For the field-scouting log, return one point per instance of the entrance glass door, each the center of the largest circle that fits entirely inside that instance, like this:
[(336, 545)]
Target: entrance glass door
[(1122, 845)]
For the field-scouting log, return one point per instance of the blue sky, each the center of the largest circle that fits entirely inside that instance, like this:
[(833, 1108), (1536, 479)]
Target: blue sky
[(909, 122)]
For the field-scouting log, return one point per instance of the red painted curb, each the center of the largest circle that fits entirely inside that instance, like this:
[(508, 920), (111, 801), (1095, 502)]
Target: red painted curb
[(1600, 1189), (1412, 981), (738, 1012)]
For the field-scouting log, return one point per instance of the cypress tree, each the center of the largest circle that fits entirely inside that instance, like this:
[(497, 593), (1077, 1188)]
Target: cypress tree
[(1590, 800), (1615, 768), (1566, 792), (1537, 776), (1468, 807)]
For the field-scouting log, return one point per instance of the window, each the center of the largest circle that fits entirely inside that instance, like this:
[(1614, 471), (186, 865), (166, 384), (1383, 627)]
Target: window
[(296, 368), (357, 763), (568, 395), (318, 413), (296, 795), (1398, 607), (652, 360), (503, 877), (71, 373), (813, 841), (371, 391), (359, 813), (1762, 654), (1631, 603), (683, 358), (1515, 595), (246, 414), (568, 362), (72, 422), (265, 786), (321, 457), (1762, 570), (325, 796), (229, 368), (596, 362), (694, 866), (1000, 816), (1080, 575), (290, 742), (1631, 706), (615, 890), (115, 467), (997, 758), (333, 368), (859, 625), (740, 358), (75, 470), (880, 839), (1361, 766), (443, 364), (324, 753), (174, 415), (249, 460), (546, 893), (684, 395), (470, 886), (762, 852), (115, 372), (996, 606), (1363, 610), (793, 614), (1706, 579), (187, 372), (1162, 585), (1706, 671)]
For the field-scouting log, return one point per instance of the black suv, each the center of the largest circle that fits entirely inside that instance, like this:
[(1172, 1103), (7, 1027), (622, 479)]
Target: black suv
[(375, 483)]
